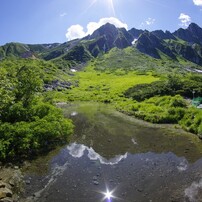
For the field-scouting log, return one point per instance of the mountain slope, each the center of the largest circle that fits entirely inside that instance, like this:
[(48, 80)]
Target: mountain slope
[(183, 43)]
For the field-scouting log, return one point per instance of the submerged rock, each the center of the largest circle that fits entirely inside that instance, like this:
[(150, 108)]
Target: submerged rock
[(6, 200), (5, 192)]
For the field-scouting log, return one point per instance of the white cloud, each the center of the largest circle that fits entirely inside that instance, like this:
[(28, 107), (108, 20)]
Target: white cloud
[(63, 14), (77, 31), (150, 21), (185, 20), (198, 2)]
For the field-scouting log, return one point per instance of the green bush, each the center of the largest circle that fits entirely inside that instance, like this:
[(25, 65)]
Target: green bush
[(200, 130), (28, 125), (24, 139), (166, 109), (172, 85), (192, 120)]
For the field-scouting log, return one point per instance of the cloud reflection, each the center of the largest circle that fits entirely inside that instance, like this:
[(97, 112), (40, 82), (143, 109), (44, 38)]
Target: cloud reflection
[(192, 192), (77, 151), (183, 166)]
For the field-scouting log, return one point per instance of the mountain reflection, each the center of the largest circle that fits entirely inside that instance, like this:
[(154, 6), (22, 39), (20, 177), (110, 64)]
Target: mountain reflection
[(78, 150)]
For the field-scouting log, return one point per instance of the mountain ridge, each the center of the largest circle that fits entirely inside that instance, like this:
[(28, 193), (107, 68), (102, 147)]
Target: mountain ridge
[(184, 43)]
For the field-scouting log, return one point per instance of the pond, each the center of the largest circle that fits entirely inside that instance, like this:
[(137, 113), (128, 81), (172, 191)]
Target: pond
[(114, 157)]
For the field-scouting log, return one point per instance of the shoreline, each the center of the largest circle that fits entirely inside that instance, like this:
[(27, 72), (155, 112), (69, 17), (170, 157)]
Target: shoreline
[(11, 176), (11, 183)]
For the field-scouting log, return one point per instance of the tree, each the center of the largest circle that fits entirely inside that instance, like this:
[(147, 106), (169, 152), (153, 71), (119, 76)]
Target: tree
[(29, 82), (6, 91)]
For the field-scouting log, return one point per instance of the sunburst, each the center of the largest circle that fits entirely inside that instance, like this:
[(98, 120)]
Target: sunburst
[(108, 3)]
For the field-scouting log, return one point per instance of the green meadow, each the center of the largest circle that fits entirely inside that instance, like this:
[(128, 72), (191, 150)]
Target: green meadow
[(105, 86)]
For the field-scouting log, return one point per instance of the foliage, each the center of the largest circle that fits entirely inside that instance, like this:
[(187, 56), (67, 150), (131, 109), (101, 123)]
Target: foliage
[(171, 85), (24, 139), (192, 121), (106, 87), (166, 109), (28, 124)]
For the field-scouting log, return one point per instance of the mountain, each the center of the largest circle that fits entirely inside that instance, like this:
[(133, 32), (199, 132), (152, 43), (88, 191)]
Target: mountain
[(183, 44), (193, 34), (150, 44), (163, 35)]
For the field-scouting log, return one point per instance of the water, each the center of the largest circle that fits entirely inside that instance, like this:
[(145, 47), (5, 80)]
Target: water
[(133, 160)]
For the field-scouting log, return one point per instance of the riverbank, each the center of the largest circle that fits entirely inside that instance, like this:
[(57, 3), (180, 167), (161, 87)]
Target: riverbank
[(11, 183)]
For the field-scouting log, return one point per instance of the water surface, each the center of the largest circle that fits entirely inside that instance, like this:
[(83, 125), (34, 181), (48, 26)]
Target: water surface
[(134, 160)]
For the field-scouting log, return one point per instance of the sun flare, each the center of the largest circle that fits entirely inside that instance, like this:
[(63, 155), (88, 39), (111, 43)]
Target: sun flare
[(108, 195), (109, 4)]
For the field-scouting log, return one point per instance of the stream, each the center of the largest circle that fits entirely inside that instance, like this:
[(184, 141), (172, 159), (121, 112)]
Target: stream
[(113, 157)]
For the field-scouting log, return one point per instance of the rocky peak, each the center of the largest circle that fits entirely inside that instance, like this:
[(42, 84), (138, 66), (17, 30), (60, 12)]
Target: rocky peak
[(109, 30), (163, 35), (196, 31), (193, 34), (135, 33), (194, 28), (107, 37)]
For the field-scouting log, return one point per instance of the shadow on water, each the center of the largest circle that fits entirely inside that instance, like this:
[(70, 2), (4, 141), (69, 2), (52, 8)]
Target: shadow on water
[(136, 161)]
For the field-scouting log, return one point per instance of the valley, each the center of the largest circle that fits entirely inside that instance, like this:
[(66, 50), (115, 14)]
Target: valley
[(113, 110)]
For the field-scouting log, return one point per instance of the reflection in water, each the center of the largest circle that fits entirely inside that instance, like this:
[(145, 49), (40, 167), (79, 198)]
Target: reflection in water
[(192, 192), (134, 141), (139, 163), (183, 165), (81, 174), (77, 151), (74, 113), (108, 195)]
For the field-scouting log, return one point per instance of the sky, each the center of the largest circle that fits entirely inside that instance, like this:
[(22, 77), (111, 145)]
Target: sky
[(50, 21)]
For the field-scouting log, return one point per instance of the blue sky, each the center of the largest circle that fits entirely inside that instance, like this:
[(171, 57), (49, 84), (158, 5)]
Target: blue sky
[(48, 21)]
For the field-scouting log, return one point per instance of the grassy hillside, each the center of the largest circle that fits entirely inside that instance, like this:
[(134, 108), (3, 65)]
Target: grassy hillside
[(130, 81), (105, 86), (141, 86)]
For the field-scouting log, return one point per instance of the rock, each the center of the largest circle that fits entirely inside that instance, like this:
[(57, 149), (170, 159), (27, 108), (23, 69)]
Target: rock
[(94, 178), (5, 185), (37, 195), (28, 182), (140, 190), (6, 200), (5, 192), (2, 185), (95, 182), (16, 167), (11, 182)]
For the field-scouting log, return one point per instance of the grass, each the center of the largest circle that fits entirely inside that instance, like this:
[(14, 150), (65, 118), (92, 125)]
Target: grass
[(105, 86)]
